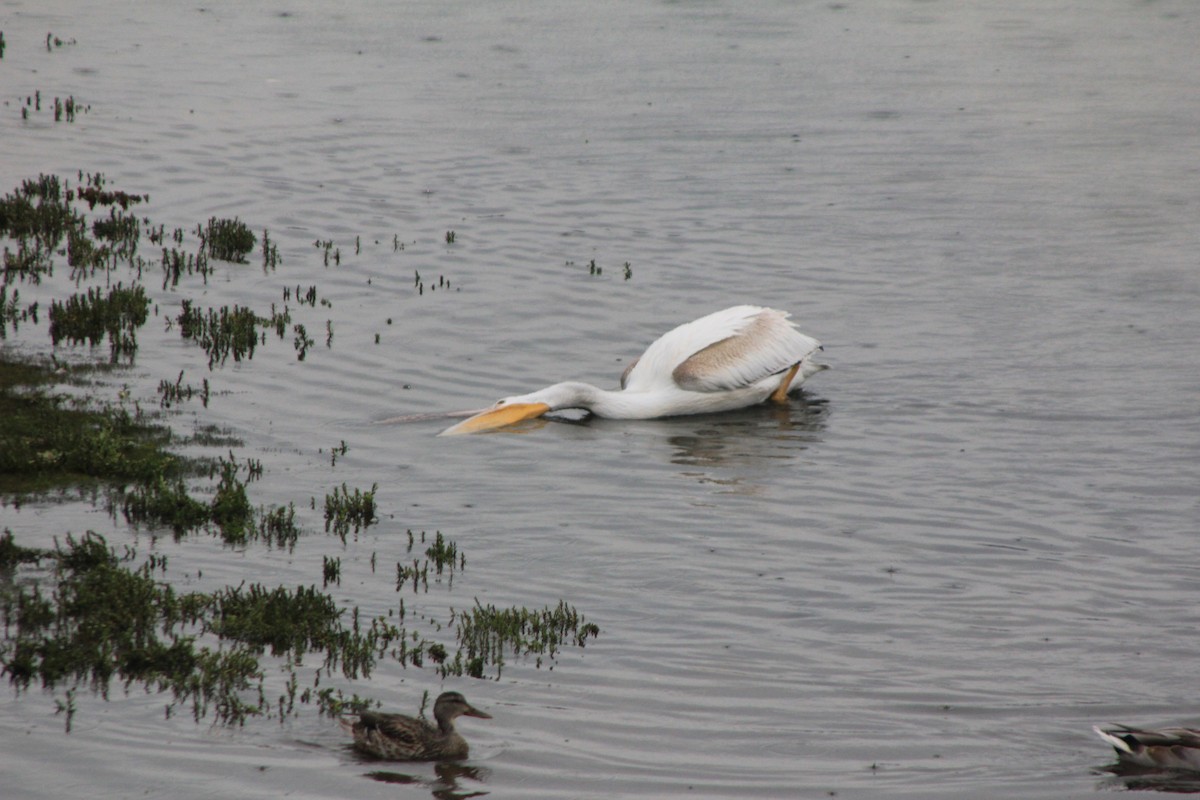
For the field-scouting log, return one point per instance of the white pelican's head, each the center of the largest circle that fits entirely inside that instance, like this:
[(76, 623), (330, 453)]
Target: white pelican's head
[(518, 408)]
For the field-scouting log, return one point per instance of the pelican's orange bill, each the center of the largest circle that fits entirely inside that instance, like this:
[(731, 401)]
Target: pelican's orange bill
[(497, 418)]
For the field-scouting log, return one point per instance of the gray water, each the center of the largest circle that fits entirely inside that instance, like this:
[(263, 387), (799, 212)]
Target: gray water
[(969, 541)]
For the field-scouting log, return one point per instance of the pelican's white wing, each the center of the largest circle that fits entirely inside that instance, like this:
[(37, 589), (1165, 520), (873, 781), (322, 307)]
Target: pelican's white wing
[(725, 350)]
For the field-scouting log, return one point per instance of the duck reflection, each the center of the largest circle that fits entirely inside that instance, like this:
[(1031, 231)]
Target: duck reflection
[(445, 786), (1133, 778)]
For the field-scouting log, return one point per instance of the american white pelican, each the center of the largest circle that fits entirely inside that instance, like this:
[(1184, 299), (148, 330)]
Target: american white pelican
[(730, 359), (1164, 748)]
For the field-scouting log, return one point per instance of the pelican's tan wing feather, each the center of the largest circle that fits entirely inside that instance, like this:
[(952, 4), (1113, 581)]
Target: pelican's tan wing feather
[(762, 343)]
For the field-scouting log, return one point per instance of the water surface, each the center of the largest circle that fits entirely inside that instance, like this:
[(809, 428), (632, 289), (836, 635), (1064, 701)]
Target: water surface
[(972, 539)]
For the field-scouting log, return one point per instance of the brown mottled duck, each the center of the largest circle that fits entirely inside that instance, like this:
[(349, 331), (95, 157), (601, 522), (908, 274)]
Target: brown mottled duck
[(397, 737), (1164, 748)]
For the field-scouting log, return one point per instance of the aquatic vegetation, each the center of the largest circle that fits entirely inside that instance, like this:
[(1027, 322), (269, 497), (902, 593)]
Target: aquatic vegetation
[(84, 256), (419, 284), (38, 216), (167, 503), (280, 620), (12, 554), (212, 436), (327, 246), (95, 618), (56, 41), (93, 315), (231, 511), (65, 109), (11, 312), (302, 297), (95, 194), (172, 393), (344, 510), (84, 614), (331, 570), (123, 230), (102, 621), (278, 526), (270, 252), (176, 263), (279, 320), (597, 270), (487, 633), (228, 239), (52, 441), (443, 553), (27, 264), (221, 333), (302, 341)]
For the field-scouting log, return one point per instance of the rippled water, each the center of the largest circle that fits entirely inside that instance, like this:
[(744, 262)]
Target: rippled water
[(972, 539)]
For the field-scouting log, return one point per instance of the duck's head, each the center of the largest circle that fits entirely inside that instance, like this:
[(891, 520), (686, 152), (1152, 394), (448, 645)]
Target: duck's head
[(451, 705)]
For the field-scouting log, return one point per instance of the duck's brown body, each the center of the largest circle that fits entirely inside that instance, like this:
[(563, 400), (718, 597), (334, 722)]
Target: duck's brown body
[(1163, 748), (396, 737)]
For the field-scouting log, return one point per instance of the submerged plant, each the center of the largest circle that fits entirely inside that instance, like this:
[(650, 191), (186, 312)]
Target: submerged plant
[(222, 333), (91, 316), (51, 441), (176, 263), (167, 503), (487, 633), (278, 526), (11, 312), (345, 511), (38, 216), (171, 393), (270, 252), (102, 620), (302, 341), (228, 239), (84, 614)]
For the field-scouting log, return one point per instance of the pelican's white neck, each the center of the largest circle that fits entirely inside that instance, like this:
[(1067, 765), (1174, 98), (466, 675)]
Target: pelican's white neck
[(628, 404)]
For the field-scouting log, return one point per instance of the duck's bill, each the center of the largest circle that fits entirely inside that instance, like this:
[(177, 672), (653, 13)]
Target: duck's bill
[(497, 418), (475, 712)]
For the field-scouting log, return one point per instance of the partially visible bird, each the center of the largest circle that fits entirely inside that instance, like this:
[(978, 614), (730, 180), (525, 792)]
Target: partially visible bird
[(397, 737), (1162, 748), (729, 359)]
